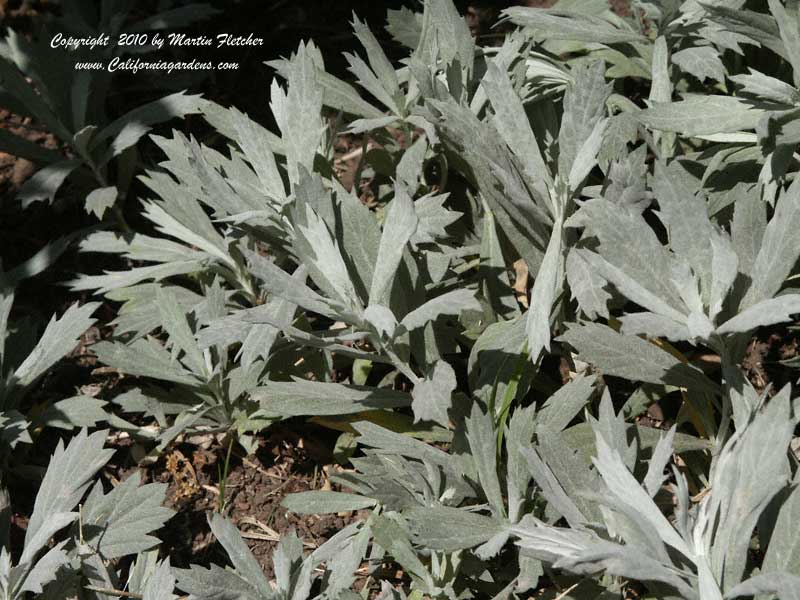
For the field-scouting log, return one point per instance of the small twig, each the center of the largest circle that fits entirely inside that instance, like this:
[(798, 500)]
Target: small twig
[(112, 592), (254, 535), (278, 488), (269, 535), (357, 153), (563, 594), (258, 468), (80, 523), (253, 521), (701, 494), (351, 155)]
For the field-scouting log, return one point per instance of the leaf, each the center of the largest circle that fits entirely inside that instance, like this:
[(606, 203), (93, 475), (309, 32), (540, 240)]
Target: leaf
[(747, 230), (174, 322), (581, 437), (584, 107), (45, 570), (661, 88), (100, 200), (552, 544), (255, 143), (400, 224), (43, 259), (17, 146), (13, 82), (490, 167), (382, 320), (143, 358), (622, 129), (634, 498), (410, 167), (546, 288), (482, 443), (59, 337), (242, 559), (586, 285), (322, 502), (6, 301), (301, 398), (114, 280), (386, 77), (317, 249), (160, 583), (783, 551), (200, 233), (785, 585), (633, 358), (655, 325), (286, 286), (405, 26), (359, 238), (450, 303), (433, 218), (256, 325), (293, 574), (662, 454), (431, 397), (511, 121), (521, 429), (748, 476), (495, 283), (703, 62), (78, 411), (67, 478), (764, 87), (335, 93), (780, 248), (724, 271), (119, 523), (563, 406), (450, 529), (630, 256), (627, 177), (586, 158), (611, 427), (551, 489), (701, 115), (45, 182), (762, 314), (215, 583), (125, 131), (757, 26), (445, 36), (392, 538), (297, 113), (786, 18), (343, 565), (14, 428), (554, 24)]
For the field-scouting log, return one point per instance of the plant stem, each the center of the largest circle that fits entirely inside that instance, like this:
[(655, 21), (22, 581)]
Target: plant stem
[(116, 210), (401, 365), (509, 395), (224, 477), (112, 592)]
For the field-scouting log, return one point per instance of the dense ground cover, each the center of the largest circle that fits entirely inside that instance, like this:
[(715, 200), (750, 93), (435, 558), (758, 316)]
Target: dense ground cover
[(496, 304)]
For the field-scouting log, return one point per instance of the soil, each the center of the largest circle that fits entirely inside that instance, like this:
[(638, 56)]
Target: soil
[(288, 460), (762, 362)]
